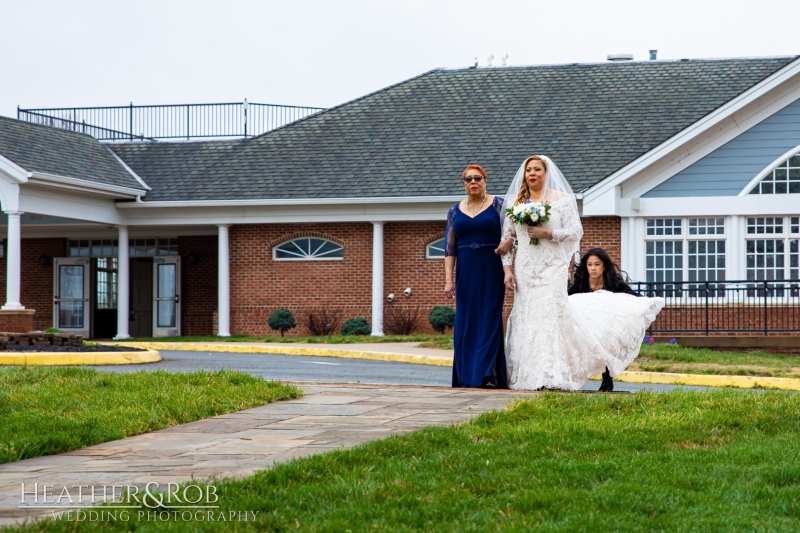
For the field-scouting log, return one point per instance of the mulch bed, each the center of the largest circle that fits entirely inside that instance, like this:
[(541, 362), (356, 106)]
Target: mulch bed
[(29, 348)]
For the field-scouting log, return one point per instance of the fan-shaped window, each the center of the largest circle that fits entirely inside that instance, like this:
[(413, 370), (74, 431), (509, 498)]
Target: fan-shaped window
[(307, 249), (784, 179), (435, 250)]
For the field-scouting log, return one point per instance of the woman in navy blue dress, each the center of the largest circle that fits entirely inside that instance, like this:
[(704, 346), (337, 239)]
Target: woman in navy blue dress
[(472, 237)]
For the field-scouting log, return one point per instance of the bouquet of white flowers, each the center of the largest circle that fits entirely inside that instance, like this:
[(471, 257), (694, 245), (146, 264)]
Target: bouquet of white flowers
[(530, 213)]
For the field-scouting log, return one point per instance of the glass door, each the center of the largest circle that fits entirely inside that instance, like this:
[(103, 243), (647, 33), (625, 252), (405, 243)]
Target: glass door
[(71, 309), (166, 296)]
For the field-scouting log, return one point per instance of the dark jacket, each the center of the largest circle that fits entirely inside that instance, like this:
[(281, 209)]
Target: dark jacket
[(576, 288)]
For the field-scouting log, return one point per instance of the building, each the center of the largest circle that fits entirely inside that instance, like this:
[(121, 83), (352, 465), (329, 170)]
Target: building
[(686, 171)]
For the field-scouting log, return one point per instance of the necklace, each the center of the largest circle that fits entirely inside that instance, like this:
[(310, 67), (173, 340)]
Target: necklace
[(479, 207), (598, 288)]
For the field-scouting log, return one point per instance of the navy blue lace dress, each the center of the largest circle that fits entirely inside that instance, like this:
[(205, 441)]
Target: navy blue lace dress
[(479, 359)]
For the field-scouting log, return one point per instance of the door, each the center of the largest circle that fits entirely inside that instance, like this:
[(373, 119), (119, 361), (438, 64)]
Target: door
[(140, 322), (166, 296), (71, 304), (104, 297)]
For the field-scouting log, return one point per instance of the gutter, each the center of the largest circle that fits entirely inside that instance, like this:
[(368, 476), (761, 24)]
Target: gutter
[(292, 201)]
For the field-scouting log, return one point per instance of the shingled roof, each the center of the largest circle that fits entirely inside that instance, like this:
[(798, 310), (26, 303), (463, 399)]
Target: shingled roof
[(414, 138), (38, 148)]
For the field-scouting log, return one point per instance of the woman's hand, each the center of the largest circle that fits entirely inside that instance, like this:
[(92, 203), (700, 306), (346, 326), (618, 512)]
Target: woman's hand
[(508, 280), (450, 289), (538, 232), (505, 246)]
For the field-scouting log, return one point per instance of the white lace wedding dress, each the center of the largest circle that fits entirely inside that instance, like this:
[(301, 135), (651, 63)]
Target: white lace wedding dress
[(560, 342)]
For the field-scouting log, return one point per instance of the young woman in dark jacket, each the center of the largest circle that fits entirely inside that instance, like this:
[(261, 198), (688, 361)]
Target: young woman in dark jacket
[(595, 272)]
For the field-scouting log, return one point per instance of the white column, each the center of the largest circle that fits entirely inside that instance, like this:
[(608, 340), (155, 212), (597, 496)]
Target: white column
[(223, 284), (13, 261), (735, 250), (123, 284), (377, 279)]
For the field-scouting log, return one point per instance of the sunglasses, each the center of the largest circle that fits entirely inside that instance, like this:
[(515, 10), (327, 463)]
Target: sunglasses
[(470, 179)]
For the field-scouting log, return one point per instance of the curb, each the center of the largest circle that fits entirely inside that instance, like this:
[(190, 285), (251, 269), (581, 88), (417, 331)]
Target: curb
[(80, 358), (432, 360), (742, 382), (660, 378)]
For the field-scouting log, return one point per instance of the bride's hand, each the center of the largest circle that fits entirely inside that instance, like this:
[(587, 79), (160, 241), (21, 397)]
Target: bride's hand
[(508, 280), (538, 232)]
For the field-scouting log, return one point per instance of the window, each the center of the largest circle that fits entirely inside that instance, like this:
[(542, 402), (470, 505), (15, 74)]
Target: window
[(109, 247), (663, 226), (772, 249), (106, 282), (696, 255), (308, 249), (784, 179), (665, 261), (706, 226), (435, 250)]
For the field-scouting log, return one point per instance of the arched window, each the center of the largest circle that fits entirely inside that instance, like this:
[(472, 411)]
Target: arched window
[(307, 249), (783, 179), (435, 250)]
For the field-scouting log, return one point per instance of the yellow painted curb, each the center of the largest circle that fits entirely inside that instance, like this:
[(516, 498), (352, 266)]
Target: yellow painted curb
[(432, 360), (80, 358), (742, 382)]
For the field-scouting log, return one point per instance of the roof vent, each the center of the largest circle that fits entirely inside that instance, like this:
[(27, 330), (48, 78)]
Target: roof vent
[(653, 55), (619, 57)]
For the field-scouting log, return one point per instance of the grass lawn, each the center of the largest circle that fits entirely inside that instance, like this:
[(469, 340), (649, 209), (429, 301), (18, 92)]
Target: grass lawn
[(684, 461), (51, 410), (669, 358)]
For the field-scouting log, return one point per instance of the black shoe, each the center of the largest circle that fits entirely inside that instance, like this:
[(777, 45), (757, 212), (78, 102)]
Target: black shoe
[(608, 383)]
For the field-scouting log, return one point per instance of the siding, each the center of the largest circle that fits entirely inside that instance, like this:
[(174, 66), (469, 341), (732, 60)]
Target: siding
[(728, 169)]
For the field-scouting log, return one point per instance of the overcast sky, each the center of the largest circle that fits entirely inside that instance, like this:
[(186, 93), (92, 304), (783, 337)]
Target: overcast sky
[(65, 53)]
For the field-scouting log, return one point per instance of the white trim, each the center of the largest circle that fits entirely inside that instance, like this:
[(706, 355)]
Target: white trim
[(288, 214), (772, 166), (377, 279), (129, 169), (13, 255), (65, 182), (308, 201), (701, 126), (223, 282), (13, 170), (715, 206), (123, 287)]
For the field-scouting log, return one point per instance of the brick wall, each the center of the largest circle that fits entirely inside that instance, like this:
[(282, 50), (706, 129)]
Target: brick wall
[(260, 285), (198, 284), (605, 233), (36, 290)]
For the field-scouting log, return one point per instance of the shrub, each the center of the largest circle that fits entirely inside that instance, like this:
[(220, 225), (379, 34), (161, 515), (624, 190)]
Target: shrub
[(401, 320), (321, 317), (53, 330), (281, 319), (442, 317), (356, 326)]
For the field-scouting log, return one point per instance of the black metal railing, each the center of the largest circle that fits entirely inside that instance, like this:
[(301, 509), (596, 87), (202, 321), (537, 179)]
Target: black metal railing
[(725, 306), (182, 121)]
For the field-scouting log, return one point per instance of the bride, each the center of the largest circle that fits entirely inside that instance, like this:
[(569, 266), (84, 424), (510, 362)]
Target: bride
[(551, 342)]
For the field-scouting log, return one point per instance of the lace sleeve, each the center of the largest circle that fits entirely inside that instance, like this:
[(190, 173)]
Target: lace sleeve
[(450, 244), (569, 235), (509, 232)]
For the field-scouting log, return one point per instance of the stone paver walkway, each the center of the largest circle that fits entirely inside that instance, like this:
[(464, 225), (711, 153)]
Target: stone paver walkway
[(239, 444)]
